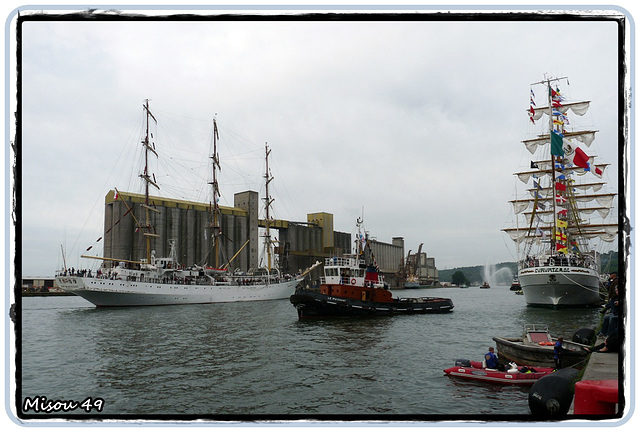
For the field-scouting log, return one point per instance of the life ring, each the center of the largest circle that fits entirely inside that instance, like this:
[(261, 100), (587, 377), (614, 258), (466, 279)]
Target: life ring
[(353, 281), (552, 262)]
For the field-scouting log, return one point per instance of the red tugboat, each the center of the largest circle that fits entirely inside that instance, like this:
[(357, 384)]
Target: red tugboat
[(350, 287)]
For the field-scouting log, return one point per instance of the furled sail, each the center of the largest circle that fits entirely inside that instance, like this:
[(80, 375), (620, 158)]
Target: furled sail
[(578, 108)]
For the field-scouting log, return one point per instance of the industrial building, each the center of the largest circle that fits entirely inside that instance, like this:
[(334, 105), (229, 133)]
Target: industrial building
[(187, 225)]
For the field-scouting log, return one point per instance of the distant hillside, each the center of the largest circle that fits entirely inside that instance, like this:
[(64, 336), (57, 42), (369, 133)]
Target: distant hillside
[(503, 273)]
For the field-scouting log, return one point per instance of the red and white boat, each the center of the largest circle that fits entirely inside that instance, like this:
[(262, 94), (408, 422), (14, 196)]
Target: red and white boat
[(517, 375)]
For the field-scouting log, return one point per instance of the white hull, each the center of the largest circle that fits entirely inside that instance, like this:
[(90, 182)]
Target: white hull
[(560, 286), (110, 292)]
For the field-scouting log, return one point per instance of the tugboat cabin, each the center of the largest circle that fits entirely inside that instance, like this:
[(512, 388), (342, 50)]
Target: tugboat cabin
[(349, 277)]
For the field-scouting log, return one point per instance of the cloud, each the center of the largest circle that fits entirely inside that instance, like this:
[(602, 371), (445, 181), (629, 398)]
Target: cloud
[(417, 122)]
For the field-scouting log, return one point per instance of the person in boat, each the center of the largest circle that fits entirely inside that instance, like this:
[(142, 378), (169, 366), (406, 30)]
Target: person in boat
[(558, 353), (491, 360)]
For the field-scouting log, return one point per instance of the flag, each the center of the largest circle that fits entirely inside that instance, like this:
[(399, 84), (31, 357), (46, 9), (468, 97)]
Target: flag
[(556, 144), (560, 199), (581, 159), (561, 237), (567, 148), (534, 165), (555, 94), (561, 187), (561, 224), (561, 248), (115, 197), (597, 172), (562, 212)]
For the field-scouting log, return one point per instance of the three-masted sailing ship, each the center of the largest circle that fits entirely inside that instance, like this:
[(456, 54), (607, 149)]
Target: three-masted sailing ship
[(566, 209), (153, 281)]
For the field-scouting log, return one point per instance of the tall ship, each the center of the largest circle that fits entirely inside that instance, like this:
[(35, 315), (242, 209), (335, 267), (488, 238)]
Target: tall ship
[(155, 281), (566, 208)]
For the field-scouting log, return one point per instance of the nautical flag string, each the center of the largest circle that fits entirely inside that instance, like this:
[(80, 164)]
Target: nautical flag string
[(532, 104)]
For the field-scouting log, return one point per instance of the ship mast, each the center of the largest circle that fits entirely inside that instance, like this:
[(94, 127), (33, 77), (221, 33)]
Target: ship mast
[(553, 171), (554, 159), (148, 181), (267, 204), (215, 224)]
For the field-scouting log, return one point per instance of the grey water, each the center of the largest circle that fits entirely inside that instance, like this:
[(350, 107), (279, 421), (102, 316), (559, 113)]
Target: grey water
[(256, 359)]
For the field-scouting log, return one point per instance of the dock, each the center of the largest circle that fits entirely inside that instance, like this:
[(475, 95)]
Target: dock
[(601, 367)]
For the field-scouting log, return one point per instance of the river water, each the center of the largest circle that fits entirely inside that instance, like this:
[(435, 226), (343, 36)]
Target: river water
[(256, 360)]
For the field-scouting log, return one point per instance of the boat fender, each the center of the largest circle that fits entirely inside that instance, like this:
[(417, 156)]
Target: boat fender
[(512, 371), (551, 396), (584, 336)]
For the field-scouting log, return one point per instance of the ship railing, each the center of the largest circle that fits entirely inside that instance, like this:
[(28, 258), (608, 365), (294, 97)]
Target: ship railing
[(558, 261), (343, 262)]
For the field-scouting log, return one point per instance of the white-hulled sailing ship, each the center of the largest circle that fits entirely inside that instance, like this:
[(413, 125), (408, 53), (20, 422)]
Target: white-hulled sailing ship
[(566, 209), (154, 281)]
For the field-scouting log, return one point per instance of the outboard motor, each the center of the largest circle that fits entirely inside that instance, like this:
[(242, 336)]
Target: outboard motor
[(550, 397), (584, 336), (463, 363)]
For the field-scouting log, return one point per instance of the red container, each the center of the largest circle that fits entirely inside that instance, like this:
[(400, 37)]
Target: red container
[(596, 397)]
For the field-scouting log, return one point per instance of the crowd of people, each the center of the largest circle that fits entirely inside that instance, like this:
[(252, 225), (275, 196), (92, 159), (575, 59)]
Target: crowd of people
[(610, 321)]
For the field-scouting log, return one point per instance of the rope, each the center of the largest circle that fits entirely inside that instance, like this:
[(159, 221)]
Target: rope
[(583, 286)]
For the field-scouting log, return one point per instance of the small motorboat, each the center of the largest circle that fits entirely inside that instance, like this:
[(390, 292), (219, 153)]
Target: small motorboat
[(535, 348), (485, 286), (516, 375)]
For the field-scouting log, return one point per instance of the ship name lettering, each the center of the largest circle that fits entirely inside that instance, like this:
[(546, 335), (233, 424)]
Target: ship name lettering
[(552, 270)]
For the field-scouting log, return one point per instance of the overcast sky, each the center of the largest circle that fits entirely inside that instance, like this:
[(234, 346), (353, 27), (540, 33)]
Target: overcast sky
[(415, 123)]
